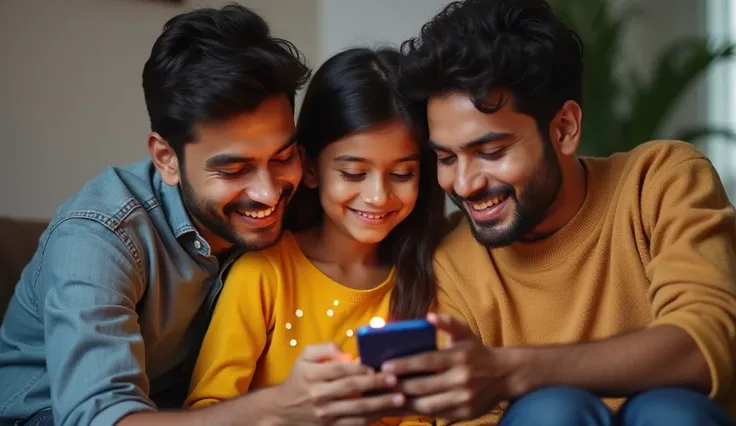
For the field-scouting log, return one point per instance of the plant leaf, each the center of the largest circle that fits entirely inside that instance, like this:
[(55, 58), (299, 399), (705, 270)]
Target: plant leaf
[(677, 67)]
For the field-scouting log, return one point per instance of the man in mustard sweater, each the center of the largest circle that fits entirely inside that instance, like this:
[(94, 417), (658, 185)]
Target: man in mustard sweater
[(602, 289)]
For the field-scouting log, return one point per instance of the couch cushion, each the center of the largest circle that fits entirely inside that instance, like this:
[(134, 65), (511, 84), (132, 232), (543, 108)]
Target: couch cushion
[(19, 242)]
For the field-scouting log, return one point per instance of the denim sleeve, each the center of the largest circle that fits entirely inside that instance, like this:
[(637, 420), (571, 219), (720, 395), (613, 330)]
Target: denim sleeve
[(89, 283)]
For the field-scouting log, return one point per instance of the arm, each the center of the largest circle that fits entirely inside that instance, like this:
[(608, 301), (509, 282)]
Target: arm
[(254, 408), (236, 335), (692, 234), (692, 269), (95, 350), (88, 286), (619, 366)]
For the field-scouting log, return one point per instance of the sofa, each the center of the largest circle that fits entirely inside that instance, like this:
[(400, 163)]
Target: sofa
[(20, 239)]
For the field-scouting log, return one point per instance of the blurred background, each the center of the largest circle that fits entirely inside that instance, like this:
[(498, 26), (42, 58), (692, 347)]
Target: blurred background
[(71, 101)]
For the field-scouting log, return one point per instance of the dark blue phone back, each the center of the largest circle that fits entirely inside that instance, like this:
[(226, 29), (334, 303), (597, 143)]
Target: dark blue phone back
[(395, 339)]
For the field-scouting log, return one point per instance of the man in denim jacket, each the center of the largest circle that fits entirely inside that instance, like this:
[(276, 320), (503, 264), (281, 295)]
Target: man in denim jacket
[(107, 318)]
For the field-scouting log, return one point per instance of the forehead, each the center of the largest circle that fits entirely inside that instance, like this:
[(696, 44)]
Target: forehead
[(454, 120), (382, 144), (253, 134)]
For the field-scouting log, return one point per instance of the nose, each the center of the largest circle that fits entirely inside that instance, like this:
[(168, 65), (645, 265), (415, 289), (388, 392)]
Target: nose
[(375, 192), (264, 188), (467, 181)]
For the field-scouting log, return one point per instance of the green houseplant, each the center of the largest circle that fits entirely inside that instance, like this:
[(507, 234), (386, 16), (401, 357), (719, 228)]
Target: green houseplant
[(621, 112)]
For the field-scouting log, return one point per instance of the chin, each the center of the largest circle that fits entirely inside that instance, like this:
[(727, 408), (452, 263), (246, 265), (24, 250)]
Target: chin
[(254, 241), (368, 237)]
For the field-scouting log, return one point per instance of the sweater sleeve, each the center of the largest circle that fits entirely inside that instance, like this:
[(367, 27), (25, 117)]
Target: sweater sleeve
[(237, 334), (691, 228)]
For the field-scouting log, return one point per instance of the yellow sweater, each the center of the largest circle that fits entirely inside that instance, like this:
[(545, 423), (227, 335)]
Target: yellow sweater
[(654, 243), (274, 303)]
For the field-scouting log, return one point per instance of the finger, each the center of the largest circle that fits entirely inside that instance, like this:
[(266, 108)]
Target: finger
[(454, 378), (348, 386), (374, 406), (447, 404), (332, 370), (427, 362), (458, 330), (320, 352)]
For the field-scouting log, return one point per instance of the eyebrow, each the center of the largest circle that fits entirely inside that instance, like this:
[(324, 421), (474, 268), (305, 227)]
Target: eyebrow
[(487, 138), (221, 160), (354, 159)]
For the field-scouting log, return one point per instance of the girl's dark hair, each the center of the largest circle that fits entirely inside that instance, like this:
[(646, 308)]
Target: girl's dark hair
[(352, 92)]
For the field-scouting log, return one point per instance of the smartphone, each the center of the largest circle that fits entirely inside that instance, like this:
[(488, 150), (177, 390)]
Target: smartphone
[(395, 339)]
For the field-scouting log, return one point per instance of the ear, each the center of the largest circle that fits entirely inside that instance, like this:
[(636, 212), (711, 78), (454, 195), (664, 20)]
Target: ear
[(565, 128), (309, 174), (164, 158)]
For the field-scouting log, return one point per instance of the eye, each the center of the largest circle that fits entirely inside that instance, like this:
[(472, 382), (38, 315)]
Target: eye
[(446, 160), (352, 176), (403, 176), (229, 175), (285, 156), (492, 155)]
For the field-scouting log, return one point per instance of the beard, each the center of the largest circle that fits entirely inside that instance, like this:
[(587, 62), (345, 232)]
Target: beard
[(206, 213), (532, 204)]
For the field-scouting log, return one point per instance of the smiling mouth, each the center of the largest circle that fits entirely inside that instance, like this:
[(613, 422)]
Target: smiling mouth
[(258, 214), (490, 202), (371, 215)]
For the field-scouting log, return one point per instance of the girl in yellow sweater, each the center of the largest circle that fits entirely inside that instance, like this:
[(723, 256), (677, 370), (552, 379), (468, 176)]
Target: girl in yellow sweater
[(362, 232)]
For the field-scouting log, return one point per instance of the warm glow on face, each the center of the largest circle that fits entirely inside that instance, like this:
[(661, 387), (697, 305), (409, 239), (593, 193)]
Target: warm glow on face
[(377, 322)]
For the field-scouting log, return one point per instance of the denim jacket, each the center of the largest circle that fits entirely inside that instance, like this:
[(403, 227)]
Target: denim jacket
[(108, 316)]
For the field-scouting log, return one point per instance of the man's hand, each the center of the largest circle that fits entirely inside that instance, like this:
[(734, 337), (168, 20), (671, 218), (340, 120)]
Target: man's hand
[(467, 379), (324, 387)]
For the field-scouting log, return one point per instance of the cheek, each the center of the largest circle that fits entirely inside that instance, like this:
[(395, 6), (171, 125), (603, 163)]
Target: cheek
[(445, 177), (290, 173), (336, 192), (515, 171), (407, 194)]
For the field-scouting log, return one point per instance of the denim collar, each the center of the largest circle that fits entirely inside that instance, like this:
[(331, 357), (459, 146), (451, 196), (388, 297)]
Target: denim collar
[(173, 205)]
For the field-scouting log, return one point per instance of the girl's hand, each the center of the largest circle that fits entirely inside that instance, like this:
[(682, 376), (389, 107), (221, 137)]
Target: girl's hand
[(325, 387)]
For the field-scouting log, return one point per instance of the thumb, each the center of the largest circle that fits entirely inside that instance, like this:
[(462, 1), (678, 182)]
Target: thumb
[(320, 352), (456, 329)]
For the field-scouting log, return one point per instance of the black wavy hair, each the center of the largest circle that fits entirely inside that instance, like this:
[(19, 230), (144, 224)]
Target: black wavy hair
[(482, 46), (351, 92), (211, 64)]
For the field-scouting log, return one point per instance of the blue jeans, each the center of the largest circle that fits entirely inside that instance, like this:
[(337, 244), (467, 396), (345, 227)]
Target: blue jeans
[(41, 418), (564, 406)]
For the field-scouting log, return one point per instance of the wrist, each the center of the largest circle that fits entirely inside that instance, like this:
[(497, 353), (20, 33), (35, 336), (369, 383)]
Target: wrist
[(526, 371)]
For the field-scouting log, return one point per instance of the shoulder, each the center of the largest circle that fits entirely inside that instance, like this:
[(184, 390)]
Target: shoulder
[(648, 160), (267, 261), (112, 194), (95, 228)]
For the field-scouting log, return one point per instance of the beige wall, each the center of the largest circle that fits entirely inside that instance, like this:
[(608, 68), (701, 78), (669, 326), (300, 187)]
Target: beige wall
[(70, 95)]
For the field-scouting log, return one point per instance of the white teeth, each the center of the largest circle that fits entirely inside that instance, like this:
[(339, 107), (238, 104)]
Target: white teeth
[(371, 216), (258, 214), (488, 203)]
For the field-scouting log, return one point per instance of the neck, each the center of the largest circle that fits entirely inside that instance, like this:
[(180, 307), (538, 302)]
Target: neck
[(568, 202), (218, 246), (328, 243)]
